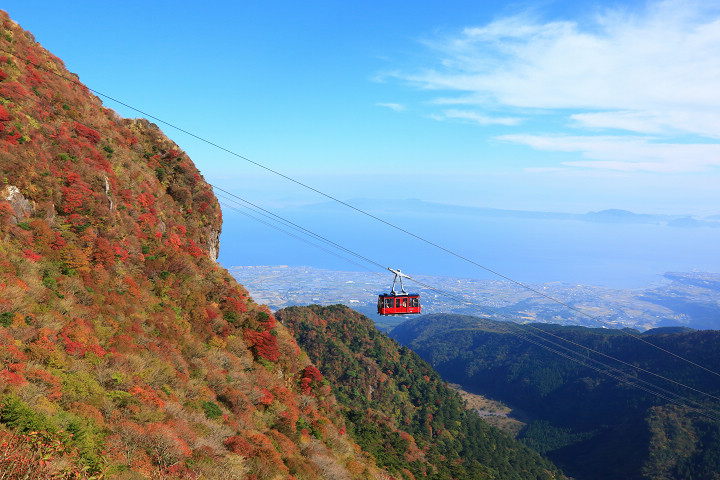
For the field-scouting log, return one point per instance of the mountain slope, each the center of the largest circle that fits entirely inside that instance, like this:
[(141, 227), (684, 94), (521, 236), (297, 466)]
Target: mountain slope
[(593, 426), (397, 407), (125, 350)]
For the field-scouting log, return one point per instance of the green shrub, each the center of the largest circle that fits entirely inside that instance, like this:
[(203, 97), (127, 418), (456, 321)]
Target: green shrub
[(211, 410), (16, 414), (6, 319)]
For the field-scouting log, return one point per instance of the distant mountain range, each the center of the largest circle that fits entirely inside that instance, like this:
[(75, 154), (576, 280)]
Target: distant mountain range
[(410, 206)]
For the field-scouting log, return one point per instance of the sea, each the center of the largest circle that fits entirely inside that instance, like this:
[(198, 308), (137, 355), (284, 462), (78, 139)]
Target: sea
[(532, 248)]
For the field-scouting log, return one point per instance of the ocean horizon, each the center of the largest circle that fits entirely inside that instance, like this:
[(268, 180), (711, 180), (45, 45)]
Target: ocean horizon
[(536, 249)]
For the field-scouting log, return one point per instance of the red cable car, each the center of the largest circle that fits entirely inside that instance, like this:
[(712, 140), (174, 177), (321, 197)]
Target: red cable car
[(395, 303)]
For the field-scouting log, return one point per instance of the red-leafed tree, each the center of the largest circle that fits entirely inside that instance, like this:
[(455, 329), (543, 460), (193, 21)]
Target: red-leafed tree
[(4, 117), (240, 445), (262, 344), (87, 132), (309, 378), (103, 253)]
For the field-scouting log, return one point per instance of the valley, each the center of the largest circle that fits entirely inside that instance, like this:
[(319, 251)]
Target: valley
[(495, 413), (610, 406)]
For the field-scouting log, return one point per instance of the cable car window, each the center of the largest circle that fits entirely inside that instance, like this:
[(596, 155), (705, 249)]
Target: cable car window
[(388, 303), (413, 302), (404, 303)]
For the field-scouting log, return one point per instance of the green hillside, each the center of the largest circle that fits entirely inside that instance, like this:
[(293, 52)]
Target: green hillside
[(591, 425), (398, 408)]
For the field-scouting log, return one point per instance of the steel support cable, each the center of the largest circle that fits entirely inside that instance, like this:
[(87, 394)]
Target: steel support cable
[(325, 240), (542, 332), (297, 227), (330, 197), (571, 355), (626, 380), (450, 295), (280, 220), (297, 237)]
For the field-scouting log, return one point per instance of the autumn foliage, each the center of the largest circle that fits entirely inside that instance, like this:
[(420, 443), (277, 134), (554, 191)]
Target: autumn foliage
[(37, 456), (124, 347), (396, 406)]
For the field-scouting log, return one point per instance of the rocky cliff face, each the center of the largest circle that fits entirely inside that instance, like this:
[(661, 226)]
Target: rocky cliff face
[(124, 348), (21, 207)]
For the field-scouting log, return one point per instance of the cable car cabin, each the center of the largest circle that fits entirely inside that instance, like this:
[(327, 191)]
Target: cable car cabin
[(398, 303), (395, 303)]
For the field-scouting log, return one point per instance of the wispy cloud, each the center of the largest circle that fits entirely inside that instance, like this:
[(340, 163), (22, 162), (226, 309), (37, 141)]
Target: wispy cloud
[(650, 69), (699, 121), (392, 106), (626, 153), (479, 118)]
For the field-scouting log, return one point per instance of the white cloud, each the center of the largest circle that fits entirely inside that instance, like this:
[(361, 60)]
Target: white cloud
[(392, 106), (628, 154), (699, 121), (647, 68), (479, 118), (620, 61)]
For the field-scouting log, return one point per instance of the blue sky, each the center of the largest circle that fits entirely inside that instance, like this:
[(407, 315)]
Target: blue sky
[(548, 105)]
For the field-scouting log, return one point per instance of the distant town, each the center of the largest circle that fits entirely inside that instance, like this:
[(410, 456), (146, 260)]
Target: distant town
[(690, 299)]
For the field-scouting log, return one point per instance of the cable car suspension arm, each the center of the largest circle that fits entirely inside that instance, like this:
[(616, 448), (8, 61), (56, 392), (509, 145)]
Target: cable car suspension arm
[(398, 276)]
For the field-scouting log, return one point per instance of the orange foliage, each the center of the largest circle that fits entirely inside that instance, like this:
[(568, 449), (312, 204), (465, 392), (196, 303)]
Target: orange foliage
[(147, 395), (37, 456), (87, 132), (47, 380), (266, 398), (238, 444), (12, 378), (232, 303), (102, 252)]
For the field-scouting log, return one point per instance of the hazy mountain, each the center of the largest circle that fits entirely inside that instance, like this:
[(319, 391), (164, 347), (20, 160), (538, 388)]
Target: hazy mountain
[(419, 207)]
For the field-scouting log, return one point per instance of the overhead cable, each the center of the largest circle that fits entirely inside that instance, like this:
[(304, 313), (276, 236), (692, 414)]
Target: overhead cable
[(361, 257)]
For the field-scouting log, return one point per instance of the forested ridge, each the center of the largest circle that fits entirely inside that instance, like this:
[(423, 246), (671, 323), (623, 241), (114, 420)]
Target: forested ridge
[(399, 409), (126, 351), (591, 425)]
